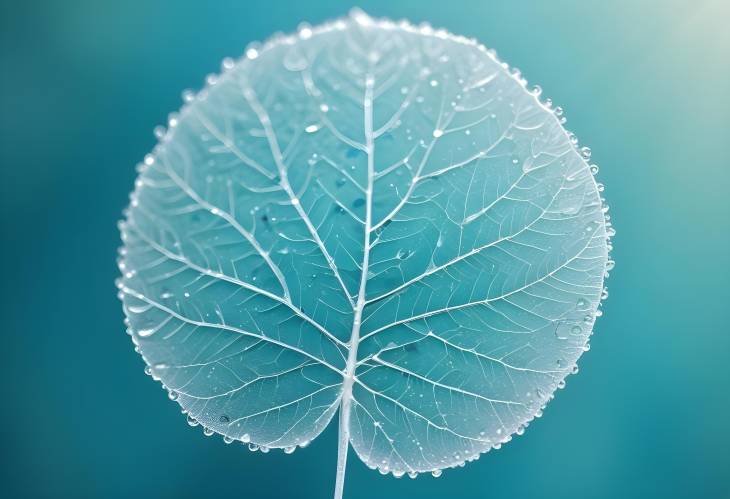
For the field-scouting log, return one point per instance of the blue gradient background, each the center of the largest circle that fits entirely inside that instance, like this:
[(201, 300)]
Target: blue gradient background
[(645, 84)]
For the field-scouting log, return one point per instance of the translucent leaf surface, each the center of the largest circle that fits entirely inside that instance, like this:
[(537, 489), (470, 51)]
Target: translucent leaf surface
[(368, 217)]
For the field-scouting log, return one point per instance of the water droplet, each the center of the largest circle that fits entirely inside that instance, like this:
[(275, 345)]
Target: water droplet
[(227, 440), (561, 330), (188, 95), (311, 128), (253, 447), (305, 31), (227, 63), (208, 432), (360, 17), (192, 421), (436, 473), (289, 450), (585, 152)]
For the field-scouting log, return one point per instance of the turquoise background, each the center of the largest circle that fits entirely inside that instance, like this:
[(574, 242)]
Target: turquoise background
[(645, 84)]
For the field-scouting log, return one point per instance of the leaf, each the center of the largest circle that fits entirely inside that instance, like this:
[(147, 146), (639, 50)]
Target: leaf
[(372, 218)]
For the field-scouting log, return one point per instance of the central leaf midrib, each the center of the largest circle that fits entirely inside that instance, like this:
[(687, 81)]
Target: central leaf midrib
[(351, 366)]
